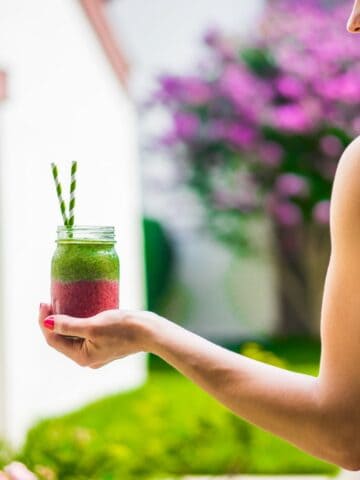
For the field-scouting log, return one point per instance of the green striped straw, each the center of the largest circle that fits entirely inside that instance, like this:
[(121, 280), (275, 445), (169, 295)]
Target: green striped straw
[(59, 192), (72, 194)]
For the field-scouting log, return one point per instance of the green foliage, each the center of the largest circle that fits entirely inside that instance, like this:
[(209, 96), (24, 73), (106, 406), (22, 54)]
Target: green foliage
[(302, 354), (294, 353), (259, 60), (159, 260), (257, 352), (166, 428), (6, 454)]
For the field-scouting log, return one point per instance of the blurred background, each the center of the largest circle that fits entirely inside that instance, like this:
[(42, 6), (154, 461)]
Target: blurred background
[(226, 120)]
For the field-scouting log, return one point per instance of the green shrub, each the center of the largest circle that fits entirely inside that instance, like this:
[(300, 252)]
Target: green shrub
[(6, 454), (167, 427), (257, 352), (159, 262)]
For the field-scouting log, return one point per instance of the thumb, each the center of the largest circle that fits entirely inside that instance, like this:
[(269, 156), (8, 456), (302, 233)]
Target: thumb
[(67, 326)]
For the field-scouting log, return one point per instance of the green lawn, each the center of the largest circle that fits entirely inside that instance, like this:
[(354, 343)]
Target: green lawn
[(167, 427)]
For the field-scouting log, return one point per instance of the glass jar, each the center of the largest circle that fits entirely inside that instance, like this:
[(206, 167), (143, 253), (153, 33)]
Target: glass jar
[(84, 271)]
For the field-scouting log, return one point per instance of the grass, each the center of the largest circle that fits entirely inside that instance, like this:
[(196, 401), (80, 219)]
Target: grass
[(168, 427)]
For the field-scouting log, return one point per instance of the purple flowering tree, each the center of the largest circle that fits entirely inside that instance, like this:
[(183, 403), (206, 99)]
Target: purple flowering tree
[(260, 128)]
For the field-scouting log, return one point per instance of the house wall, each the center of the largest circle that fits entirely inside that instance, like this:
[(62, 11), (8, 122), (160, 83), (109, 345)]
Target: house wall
[(2, 329), (64, 103)]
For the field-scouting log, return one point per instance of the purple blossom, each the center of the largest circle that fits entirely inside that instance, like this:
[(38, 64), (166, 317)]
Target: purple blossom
[(321, 212), (271, 154), (240, 135), (286, 214), (291, 185), (291, 87), (344, 87), (220, 44), (170, 88), (356, 126), (244, 201), (186, 125), (272, 114), (216, 130), (190, 90), (196, 91), (242, 88), (330, 145), (212, 37), (235, 83), (292, 118), (169, 139), (296, 63)]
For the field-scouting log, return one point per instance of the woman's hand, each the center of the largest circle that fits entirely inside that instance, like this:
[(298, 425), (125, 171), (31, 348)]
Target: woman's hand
[(95, 341)]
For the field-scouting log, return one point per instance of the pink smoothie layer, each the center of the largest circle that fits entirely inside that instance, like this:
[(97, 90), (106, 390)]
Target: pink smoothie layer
[(84, 298)]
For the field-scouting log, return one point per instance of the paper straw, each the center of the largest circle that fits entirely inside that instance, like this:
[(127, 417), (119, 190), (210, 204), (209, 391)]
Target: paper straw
[(55, 173), (72, 194)]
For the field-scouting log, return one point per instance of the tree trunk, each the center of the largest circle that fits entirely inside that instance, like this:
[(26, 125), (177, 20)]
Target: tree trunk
[(302, 256)]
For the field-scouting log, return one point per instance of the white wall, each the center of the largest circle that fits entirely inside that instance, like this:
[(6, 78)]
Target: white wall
[(2, 326), (64, 104)]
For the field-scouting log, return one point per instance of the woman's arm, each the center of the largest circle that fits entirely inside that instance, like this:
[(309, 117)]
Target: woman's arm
[(320, 415), (282, 402)]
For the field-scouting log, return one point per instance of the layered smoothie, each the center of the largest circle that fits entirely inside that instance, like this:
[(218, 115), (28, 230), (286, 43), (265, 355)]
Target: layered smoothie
[(84, 276)]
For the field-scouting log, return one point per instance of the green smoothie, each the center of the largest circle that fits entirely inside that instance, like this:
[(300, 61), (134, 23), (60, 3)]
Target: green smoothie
[(84, 276)]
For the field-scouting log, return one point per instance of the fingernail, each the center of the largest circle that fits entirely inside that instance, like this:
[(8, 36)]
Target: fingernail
[(41, 305), (49, 323)]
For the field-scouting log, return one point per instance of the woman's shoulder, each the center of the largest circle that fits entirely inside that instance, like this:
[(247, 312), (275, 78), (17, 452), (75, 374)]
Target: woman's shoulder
[(352, 150), (346, 187), (349, 163)]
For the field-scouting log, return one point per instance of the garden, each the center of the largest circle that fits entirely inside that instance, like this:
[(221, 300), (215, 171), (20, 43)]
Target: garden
[(151, 433), (255, 133)]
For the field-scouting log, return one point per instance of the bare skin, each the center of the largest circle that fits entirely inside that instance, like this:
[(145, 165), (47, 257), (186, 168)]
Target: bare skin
[(353, 24), (320, 415)]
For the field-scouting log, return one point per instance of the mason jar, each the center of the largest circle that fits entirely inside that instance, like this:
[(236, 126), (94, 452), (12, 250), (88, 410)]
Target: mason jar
[(84, 271)]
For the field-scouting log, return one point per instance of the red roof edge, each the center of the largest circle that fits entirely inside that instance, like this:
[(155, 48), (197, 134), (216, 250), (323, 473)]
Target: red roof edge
[(2, 85), (95, 11)]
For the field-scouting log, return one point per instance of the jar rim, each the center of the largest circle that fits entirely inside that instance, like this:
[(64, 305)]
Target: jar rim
[(78, 228), (96, 233)]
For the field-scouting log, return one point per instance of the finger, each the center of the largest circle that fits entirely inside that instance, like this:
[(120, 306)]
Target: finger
[(96, 366), (67, 326), (71, 347), (44, 311)]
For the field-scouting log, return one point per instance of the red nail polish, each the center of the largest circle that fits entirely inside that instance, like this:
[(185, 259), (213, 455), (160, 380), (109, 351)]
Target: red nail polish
[(49, 323)]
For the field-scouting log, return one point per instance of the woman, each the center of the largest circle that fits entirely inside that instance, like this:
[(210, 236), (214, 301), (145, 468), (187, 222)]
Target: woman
[(318, 414), (353, 24)]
